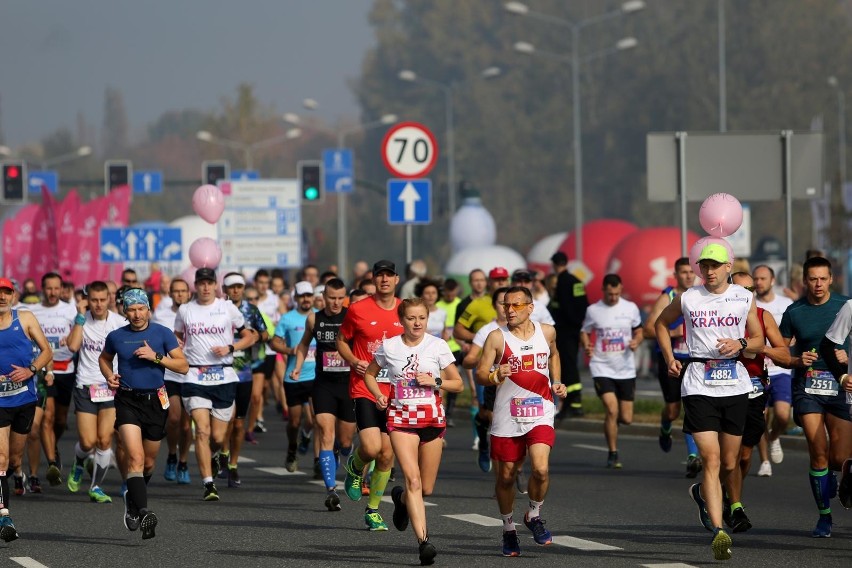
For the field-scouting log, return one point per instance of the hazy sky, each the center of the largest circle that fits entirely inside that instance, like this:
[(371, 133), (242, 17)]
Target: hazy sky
[(58, 57)]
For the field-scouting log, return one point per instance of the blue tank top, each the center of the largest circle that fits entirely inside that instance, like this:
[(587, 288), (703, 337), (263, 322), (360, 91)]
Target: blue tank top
[(15, 349)]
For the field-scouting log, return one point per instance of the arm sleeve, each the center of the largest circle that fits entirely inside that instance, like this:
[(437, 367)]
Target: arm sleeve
[(826, 351)]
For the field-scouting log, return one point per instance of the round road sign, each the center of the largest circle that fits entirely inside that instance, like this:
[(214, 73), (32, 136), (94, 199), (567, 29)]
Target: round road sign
[(409, 150)]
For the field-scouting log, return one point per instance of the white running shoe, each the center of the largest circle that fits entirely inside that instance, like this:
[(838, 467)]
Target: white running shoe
[(776, 454), (765, 470), (475, 445)]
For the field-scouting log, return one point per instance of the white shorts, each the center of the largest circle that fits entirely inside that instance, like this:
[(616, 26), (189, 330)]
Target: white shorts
[(200, 403)]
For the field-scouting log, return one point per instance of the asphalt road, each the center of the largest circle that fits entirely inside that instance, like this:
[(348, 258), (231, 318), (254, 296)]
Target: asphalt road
[(638, 516)]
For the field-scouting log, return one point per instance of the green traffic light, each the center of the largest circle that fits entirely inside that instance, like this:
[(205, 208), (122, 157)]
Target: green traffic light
[(311, 193)]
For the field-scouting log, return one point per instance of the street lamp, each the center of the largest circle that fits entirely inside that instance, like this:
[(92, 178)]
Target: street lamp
[(80, 152), (575, 61), (247, 149), (412, 77), (841, 128)]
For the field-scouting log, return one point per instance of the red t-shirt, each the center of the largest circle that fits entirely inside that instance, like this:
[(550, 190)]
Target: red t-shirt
[(365, 326)]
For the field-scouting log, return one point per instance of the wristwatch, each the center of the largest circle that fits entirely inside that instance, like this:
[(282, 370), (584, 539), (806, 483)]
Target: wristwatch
[(438, 382), (33, 370), (157, 358), (743, 343)]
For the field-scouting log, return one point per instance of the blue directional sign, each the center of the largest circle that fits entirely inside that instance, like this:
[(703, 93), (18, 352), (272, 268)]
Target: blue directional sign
[(339, 171), (47, 178), (409, 201), (120, 244), (147, 182), (244, 175)]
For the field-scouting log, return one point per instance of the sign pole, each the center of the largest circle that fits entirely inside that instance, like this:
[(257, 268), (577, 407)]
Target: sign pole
[(680, 138), (408, 245)]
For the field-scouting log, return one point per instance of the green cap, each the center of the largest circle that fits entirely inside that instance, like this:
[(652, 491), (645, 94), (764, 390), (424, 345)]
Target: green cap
[(714, 252)]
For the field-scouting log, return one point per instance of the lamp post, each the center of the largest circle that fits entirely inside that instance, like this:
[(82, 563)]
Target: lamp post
[(575, 61), (80, 152), (244, 147), (448, 88)]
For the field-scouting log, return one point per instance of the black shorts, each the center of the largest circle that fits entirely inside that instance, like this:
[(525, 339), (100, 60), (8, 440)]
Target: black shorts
[(267, 367), (368, 416), (243, 399), (332, 397), (755, 424), (623, 389), (83, 402), (143, 410), (298, 393), (173, 388), (715, 414), (805, 403), (20, 418), (62, 388), (668, 384), (426, 434)]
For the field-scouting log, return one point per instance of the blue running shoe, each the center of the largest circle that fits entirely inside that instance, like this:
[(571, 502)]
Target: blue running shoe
[(511, 544), (823, 527), (7, 528), (123, 490), (171, 470), (304, 441), (703, 516), (484, 461), (183, 476), (541, 535)]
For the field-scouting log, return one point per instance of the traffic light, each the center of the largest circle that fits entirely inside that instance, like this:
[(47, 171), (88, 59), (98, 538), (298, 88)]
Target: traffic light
[(310, 181), (214, 170), (14, 181), (117, 173)]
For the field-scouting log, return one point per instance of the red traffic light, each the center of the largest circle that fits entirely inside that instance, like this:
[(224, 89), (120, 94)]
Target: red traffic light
[(13, 172)]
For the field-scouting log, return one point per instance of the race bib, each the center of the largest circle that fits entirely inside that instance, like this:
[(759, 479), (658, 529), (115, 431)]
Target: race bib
[(53, 341), (757, 388), (408, 392), (312, 354), (821, 382), (11, 388), (332, 362), (211, 374), (720, 372), (101, 393), (527, 409), (383, 376), (163, 395), (612, 346)]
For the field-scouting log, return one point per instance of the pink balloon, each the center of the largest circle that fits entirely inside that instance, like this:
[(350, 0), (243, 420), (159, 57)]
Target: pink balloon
[(208, 202), (695, 250), (205, 253), (721, 215), (188, 275)]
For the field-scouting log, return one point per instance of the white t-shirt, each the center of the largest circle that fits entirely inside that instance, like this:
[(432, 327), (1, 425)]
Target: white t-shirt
[(436, 323), (269, 305), (94, 336), (482, 334), (709, 317), (56, 323), (541, 314), (776, 307), (613, 327), (205, 327), (841, 328)]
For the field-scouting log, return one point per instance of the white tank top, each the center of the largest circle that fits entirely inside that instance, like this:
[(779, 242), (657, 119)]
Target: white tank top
[(203, 328), (94, 336), (525, 399), (708, 318)]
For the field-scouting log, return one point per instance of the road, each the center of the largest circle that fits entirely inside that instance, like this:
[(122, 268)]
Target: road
[(639, 516)]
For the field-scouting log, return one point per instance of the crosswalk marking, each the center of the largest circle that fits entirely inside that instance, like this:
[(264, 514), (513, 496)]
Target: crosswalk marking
[(589, 447), (279, 471), (480, 520), (580, 544), (27, 562)]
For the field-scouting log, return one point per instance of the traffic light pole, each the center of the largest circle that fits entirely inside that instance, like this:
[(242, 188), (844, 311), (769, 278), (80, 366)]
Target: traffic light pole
[(342, 261)]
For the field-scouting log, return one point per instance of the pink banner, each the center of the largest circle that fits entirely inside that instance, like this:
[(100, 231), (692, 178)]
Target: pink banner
[(17, 238), (84, 249)]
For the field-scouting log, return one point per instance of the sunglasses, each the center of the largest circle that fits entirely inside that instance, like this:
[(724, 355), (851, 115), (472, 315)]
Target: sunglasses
[(518, 307), (749, 288)]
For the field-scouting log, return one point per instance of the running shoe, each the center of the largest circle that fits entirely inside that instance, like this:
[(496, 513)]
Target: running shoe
[(250, 438), (844, 492), (475, 446), (304, 442), (233, 478), (739, 521), (131, 515), (148, 524), (392, 476), (75, 478), (703, 516), (521, 481), (260, 427), (612, 461), (33, 484), (20, 486), (776, 454), (374, 520), (484, 460), (183, 475), (7, 528), (332, 501), (317, 470), (223, 465), (511, 544), (541, 535), (171, 470), (353, 481), (823, 527), (98, 496), (400, 511), (721, 545), (427, 553), (54, 475), (693, 466), (365, 487), (210, 492), (665, 440), (123, 489), (765, 469), (292, 464), (832, 485)]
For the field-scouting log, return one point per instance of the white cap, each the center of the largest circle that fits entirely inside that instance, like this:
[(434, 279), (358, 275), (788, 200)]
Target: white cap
[(319, 290), (233, 279), (303, 288)]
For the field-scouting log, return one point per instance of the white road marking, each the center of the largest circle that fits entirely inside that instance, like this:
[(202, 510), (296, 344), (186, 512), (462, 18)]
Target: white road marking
[(649, 393), (581, 544), (242, 459), (279, 471), (669, 565), (480, 520), (594, 448), (27, 562), (387, 499), (321, 483)]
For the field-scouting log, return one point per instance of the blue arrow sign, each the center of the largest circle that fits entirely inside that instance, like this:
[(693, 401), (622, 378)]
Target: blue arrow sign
[(147, 182), (410, 201), (140, 244), (244, 175), (47, 178), (339, 170)]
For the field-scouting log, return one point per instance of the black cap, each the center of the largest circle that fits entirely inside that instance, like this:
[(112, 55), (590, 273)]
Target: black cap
[(521, 275), (384, 265), (205, 274), (559, 258)]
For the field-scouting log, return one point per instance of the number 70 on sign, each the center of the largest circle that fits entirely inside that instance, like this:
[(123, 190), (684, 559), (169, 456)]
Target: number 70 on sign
[(409, 150)]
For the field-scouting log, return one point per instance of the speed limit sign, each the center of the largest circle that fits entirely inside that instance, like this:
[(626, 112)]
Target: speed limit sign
[(409, 150)]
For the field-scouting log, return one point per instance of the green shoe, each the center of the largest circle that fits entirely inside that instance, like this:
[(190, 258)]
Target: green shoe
[(54, 475), (374, 520), (721, 545), (98, 496), (75, 478), (352, 483)]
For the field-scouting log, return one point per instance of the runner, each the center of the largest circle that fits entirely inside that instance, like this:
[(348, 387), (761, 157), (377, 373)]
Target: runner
[(715, 385), (569, 303), (419, 366), (617, 326), (94, 403), (258, 372), (19, 330), (448, 302), (141, 401), (367, 323)]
